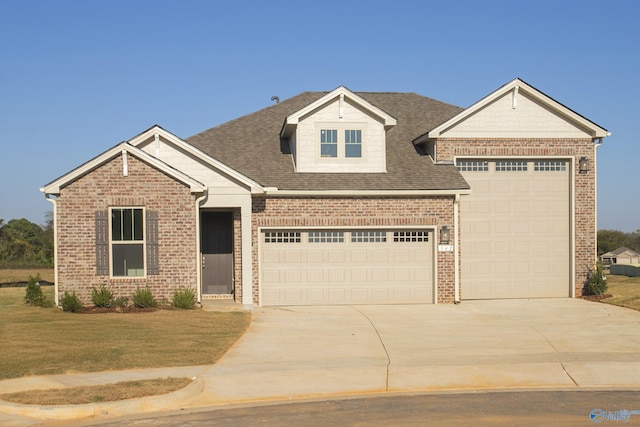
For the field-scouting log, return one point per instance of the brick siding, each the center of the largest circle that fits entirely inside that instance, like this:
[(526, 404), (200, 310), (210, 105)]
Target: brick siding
[(106, 187), (356, 212)]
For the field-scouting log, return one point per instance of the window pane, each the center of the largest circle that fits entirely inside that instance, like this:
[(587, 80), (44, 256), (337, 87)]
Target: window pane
[(329, 150), (353, 150), (116, 224), (128, 260), (127, 224), (137, 224)]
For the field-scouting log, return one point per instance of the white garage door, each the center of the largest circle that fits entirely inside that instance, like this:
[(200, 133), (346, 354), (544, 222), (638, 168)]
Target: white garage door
[(515, 229), (321, 267)]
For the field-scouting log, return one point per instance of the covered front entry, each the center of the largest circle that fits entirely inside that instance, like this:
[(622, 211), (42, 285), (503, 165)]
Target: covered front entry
[(357, 266), (515, 228), (217, 252)]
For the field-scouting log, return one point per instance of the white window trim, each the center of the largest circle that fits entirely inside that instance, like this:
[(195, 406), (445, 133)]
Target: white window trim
[(131, 242)]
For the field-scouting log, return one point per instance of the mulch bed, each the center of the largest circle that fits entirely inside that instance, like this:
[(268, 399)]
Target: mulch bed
[(131, 309), (596, 297)]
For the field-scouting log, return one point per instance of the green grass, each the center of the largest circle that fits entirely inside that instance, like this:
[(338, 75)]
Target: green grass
[(44, 341), (624, 291)]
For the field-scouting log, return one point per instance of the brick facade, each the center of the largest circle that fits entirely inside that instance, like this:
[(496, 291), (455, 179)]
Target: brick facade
[(357, 212), (584, 199), (106, 187)]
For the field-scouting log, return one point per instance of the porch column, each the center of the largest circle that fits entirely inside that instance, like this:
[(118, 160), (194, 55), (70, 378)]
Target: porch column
[(247, 262)]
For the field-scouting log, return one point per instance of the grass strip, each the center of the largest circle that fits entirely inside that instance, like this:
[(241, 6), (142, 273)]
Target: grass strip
[(98, 393)]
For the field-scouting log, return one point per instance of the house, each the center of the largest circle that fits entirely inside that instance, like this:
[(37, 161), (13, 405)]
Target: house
[(620, 256), (342, 198)]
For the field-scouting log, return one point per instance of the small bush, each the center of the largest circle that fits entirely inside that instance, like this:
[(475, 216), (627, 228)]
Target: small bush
[(184, 298), (102, 296), (71, 303), (33, 293), (121, 302), (143, 298), (597, 281)]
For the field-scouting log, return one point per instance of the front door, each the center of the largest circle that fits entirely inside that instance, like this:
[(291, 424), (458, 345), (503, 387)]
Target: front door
[(217, 252)]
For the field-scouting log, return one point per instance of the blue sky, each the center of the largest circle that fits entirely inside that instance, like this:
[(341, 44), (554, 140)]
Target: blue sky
[(78, 77)]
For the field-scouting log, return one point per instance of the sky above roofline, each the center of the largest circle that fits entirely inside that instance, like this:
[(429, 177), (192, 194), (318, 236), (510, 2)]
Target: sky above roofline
[(79, 77)]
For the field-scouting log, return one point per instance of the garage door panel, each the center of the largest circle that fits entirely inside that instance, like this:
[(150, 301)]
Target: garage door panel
[(529, 217), (368, 267)]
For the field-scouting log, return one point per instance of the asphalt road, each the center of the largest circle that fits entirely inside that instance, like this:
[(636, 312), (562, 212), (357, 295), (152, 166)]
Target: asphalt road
[(535, 408)]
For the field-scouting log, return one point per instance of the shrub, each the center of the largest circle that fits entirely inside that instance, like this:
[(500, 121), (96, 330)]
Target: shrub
[(184, 298), (143, 298), (121, 302), (71, 303), (102, 296), (33, 292), (597, 281)]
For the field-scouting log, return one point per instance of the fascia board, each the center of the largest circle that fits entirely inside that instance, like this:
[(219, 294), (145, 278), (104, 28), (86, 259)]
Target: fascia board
[(196, 153), (596, 131), (270, 191), (54, 187)]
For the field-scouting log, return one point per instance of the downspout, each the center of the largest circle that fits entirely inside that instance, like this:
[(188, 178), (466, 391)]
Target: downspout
[(199, 249), (456, 267), (595, 192), (55, 248)]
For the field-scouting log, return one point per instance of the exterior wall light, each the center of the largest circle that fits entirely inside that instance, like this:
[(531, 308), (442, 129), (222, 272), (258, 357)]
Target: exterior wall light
[(583, 165), (445, 235)]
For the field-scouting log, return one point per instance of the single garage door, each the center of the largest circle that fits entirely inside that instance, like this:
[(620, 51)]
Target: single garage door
[(515, 229), (322, 267)]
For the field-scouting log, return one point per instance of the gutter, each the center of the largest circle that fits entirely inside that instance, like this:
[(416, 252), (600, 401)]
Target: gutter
[(274, 191), (199, 249), (456, 251)]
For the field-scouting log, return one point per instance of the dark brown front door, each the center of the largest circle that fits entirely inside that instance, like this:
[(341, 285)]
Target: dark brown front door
[(217, 252)]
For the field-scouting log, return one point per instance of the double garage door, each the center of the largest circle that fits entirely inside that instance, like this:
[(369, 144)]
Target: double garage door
[(358, 266), (515, 228)]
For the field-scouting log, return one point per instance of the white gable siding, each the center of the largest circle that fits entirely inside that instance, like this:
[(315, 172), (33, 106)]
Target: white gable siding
[(528, 120), (307, 140), (194, 168)]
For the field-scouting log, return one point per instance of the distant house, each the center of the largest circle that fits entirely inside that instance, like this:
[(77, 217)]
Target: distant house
[(620, 256), (342, 198)]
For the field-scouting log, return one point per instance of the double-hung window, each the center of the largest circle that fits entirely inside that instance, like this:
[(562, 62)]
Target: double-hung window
[(353, 143), (127, 242), (329, 143)]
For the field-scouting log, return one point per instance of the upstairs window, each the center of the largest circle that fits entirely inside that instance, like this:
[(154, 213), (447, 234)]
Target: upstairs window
[(342, 142), (353, 143), (329, 143)]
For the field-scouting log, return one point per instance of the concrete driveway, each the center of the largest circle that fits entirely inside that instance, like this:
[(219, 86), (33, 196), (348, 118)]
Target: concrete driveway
[(315, 351)]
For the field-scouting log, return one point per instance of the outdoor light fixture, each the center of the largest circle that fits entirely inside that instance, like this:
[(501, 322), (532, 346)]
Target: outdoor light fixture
[(583, 165), (445, 236)]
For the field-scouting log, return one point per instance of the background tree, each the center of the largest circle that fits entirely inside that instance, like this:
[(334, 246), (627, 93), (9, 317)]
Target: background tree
[(609, 240), (25, 244)]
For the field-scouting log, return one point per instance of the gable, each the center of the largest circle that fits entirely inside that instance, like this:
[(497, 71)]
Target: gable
[(124, 150), (339, 132), (180, 155), (518, 110)]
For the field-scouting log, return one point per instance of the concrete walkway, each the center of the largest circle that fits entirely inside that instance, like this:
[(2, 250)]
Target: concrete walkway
[(302, 352)]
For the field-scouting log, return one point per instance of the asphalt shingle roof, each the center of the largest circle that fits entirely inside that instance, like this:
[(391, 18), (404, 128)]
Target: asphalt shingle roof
[(251, 145)]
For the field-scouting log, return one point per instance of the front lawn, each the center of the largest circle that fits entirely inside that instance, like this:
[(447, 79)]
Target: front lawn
[(624, 291), (44, 341)]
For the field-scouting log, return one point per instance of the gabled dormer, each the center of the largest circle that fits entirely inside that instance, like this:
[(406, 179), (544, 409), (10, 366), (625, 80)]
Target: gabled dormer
[(340, 132)]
